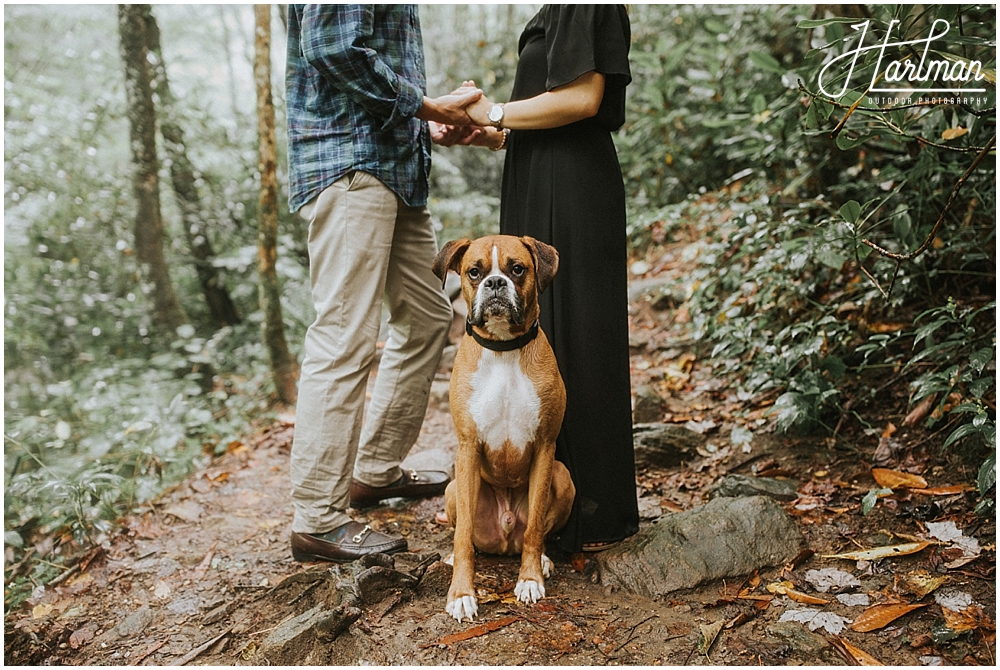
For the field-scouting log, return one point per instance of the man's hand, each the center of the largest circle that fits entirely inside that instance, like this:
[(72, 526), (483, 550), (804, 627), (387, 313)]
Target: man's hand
[(478, 136), (450, 109)]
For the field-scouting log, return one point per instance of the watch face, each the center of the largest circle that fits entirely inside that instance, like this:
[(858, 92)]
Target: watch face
[(496, 113)]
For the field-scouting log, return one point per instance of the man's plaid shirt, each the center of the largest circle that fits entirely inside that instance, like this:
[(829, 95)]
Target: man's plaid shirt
[(354, 81)]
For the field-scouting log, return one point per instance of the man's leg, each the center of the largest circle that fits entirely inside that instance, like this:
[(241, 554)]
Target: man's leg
[(419, 318), (351, 227)]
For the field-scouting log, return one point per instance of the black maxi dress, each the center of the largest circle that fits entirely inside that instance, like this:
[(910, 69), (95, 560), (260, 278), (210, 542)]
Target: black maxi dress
[(564, 187)]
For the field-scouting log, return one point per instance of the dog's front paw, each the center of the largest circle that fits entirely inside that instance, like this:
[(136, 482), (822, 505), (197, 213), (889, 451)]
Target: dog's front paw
[(528, 591), (463, 607)]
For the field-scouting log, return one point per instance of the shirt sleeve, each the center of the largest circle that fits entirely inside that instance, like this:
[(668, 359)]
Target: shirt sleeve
[(586, 38), (333, 41)]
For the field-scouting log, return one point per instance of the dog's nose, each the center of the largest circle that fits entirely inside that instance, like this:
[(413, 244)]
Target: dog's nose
[(494, 283)]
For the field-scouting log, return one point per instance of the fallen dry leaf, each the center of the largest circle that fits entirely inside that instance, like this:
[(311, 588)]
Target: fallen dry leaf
[(831, 578), (921, 582), (578, 561), (879, 616), (475, 631), (859, 655), (894, 479), (890, 430), (882, 552), (954, 133), (709, 632), (970, 618), (785, 589), (918, 413), (815, 619), (945, 490)]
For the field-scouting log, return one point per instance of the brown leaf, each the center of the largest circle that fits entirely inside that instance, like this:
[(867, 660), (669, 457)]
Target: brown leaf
[(475, 631), (894, 479), (859, 655), (785, 589), (920, 412), (970, 618), (882, 552), (879, 616), (890, 430), (921, 582), (945, 490), (800, 597), (887, 327), (954, 133), (578, 561)]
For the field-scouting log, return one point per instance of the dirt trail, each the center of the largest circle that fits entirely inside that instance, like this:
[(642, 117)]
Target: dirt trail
[(205, 574)]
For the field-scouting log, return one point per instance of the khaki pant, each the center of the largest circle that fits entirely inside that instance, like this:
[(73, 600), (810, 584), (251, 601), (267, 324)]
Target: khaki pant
[(365, 246)]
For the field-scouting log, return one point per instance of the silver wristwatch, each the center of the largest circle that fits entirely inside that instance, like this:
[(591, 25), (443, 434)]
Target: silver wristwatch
[(495, 115)]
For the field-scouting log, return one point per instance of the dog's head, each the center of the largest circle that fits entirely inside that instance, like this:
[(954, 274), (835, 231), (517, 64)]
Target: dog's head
[(502, 277)]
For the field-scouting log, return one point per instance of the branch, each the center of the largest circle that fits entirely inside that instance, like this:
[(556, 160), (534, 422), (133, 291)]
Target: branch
[(937, 226), (887, 122)]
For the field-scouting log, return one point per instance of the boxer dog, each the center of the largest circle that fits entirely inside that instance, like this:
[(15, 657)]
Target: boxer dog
[(507, 400)]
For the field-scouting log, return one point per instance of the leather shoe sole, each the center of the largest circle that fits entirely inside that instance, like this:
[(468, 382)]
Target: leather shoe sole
[(344, 544), (413, 484)]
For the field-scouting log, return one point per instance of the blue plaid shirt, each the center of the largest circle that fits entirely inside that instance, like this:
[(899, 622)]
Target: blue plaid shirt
[(354, 81)]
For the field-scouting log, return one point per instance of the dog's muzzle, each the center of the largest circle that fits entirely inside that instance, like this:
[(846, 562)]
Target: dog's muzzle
[(496, 297)]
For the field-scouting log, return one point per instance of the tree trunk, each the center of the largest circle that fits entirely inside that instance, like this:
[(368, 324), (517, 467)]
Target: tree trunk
[(168, 314), (220, 305), (283, 367)]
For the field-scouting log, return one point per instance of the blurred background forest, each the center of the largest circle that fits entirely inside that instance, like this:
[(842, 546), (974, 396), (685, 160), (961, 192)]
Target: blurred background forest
[(726, 138)]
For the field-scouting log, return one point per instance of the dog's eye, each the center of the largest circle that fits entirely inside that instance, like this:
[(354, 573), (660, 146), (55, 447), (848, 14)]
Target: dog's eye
[(517, 270), (473, 273)]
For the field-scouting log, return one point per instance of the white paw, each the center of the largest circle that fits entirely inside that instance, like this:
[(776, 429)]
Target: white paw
[(546, 567), (450, 560), (462, 608), (529, 591)]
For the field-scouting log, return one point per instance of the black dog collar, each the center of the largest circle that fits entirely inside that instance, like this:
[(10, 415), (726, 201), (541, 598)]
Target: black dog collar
[(503, 345)]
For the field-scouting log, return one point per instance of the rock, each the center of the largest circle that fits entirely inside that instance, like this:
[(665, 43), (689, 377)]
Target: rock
[(664, 445), (648, 405), (728, 537), (740, 486), (436, 581), (798, 637)]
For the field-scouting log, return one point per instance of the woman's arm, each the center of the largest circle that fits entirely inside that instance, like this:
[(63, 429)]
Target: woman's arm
[(580, 99)]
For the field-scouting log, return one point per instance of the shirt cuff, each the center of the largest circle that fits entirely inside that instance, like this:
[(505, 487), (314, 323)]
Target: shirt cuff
[(409, 100)]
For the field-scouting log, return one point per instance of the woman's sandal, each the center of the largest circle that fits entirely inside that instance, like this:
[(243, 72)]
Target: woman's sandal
[(591, 547)]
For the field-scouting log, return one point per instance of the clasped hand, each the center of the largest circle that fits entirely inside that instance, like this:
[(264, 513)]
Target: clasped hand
[(474, 128)]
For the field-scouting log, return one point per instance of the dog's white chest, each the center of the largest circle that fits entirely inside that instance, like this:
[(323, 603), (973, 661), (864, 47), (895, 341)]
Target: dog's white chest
[(503, 403)]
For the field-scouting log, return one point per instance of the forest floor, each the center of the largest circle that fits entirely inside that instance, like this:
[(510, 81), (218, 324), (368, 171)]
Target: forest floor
[(204, 574)]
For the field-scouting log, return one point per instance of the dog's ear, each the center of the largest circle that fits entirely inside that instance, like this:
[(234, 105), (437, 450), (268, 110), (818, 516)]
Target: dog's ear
[(450, 258), (546, 261)]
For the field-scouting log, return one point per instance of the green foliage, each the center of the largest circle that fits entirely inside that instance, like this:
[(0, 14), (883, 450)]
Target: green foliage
[(100, 410), (708, 97)]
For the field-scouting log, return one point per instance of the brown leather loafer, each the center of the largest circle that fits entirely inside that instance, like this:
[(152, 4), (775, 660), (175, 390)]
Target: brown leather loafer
[(413, 484), (344, 544)]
